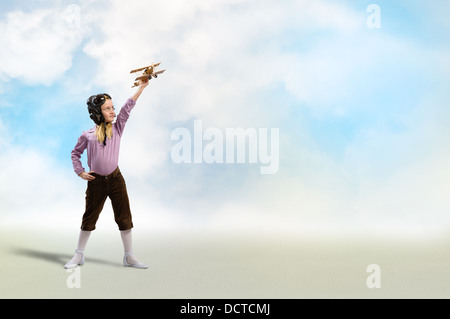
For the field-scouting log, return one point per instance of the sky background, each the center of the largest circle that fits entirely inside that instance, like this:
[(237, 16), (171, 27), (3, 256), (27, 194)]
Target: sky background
[(362, 112)]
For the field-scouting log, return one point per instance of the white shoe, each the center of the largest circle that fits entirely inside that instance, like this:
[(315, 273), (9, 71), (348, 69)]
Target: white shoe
[(75, 261), (138, 264)]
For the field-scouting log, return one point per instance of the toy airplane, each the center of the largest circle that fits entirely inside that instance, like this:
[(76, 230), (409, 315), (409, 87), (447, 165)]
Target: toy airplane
[(147, 72)]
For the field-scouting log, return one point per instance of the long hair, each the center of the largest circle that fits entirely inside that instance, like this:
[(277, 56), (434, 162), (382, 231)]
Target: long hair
[(100, 132)]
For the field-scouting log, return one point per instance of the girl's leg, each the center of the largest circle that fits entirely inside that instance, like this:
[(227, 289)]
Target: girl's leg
[(127, 240), (78, 258), (82, 240), (129, 259)]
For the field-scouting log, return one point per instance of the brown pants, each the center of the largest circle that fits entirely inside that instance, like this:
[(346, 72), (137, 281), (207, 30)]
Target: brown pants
[(112, 186)]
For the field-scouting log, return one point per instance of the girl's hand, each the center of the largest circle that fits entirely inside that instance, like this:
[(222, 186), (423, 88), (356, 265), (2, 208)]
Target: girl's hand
[(87, 176), (144, 83)]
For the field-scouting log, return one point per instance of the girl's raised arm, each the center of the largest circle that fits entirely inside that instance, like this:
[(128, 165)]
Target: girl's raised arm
[(141, 88)]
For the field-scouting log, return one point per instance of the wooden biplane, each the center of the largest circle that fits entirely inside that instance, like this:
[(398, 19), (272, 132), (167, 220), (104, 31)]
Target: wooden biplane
[(147, 72)]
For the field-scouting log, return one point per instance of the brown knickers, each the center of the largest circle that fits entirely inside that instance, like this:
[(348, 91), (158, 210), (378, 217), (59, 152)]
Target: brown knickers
[(112, 186)]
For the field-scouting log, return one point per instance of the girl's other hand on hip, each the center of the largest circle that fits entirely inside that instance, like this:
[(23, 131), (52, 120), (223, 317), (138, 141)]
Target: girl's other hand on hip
[(87, 176)]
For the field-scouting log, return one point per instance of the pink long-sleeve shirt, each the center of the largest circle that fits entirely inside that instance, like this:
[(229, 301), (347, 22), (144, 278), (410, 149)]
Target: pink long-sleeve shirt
[(102, 159)]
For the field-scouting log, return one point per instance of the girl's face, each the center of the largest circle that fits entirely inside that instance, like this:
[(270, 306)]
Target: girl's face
[(108, 111)]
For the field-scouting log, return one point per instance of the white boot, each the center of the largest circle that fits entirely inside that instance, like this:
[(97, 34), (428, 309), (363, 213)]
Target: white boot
[(77, 259), (129, 260)]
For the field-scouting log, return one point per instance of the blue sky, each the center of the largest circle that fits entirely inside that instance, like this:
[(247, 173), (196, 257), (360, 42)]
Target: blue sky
[(362, 112)]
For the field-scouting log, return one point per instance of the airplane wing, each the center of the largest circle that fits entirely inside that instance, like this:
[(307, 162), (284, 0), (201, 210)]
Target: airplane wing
[(158, 72), (140, 69), (147, 76), (142, 77), (145, 67)]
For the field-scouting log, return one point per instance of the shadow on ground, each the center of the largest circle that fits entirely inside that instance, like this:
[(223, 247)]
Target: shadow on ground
[(56, 258)]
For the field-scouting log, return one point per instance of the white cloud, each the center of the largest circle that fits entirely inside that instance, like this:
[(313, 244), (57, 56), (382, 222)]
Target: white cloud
[(216, 53), (35, 190), (37, 46)]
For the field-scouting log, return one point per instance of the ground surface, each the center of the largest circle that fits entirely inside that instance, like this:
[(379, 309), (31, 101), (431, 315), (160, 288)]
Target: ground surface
[(205, 265)]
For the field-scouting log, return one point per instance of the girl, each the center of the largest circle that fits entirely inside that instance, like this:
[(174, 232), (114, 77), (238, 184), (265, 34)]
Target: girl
[(104, 178)]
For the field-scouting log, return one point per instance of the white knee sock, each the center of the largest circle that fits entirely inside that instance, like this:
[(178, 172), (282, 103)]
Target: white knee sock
[(82, 240), (128, 246), (127, 240)]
